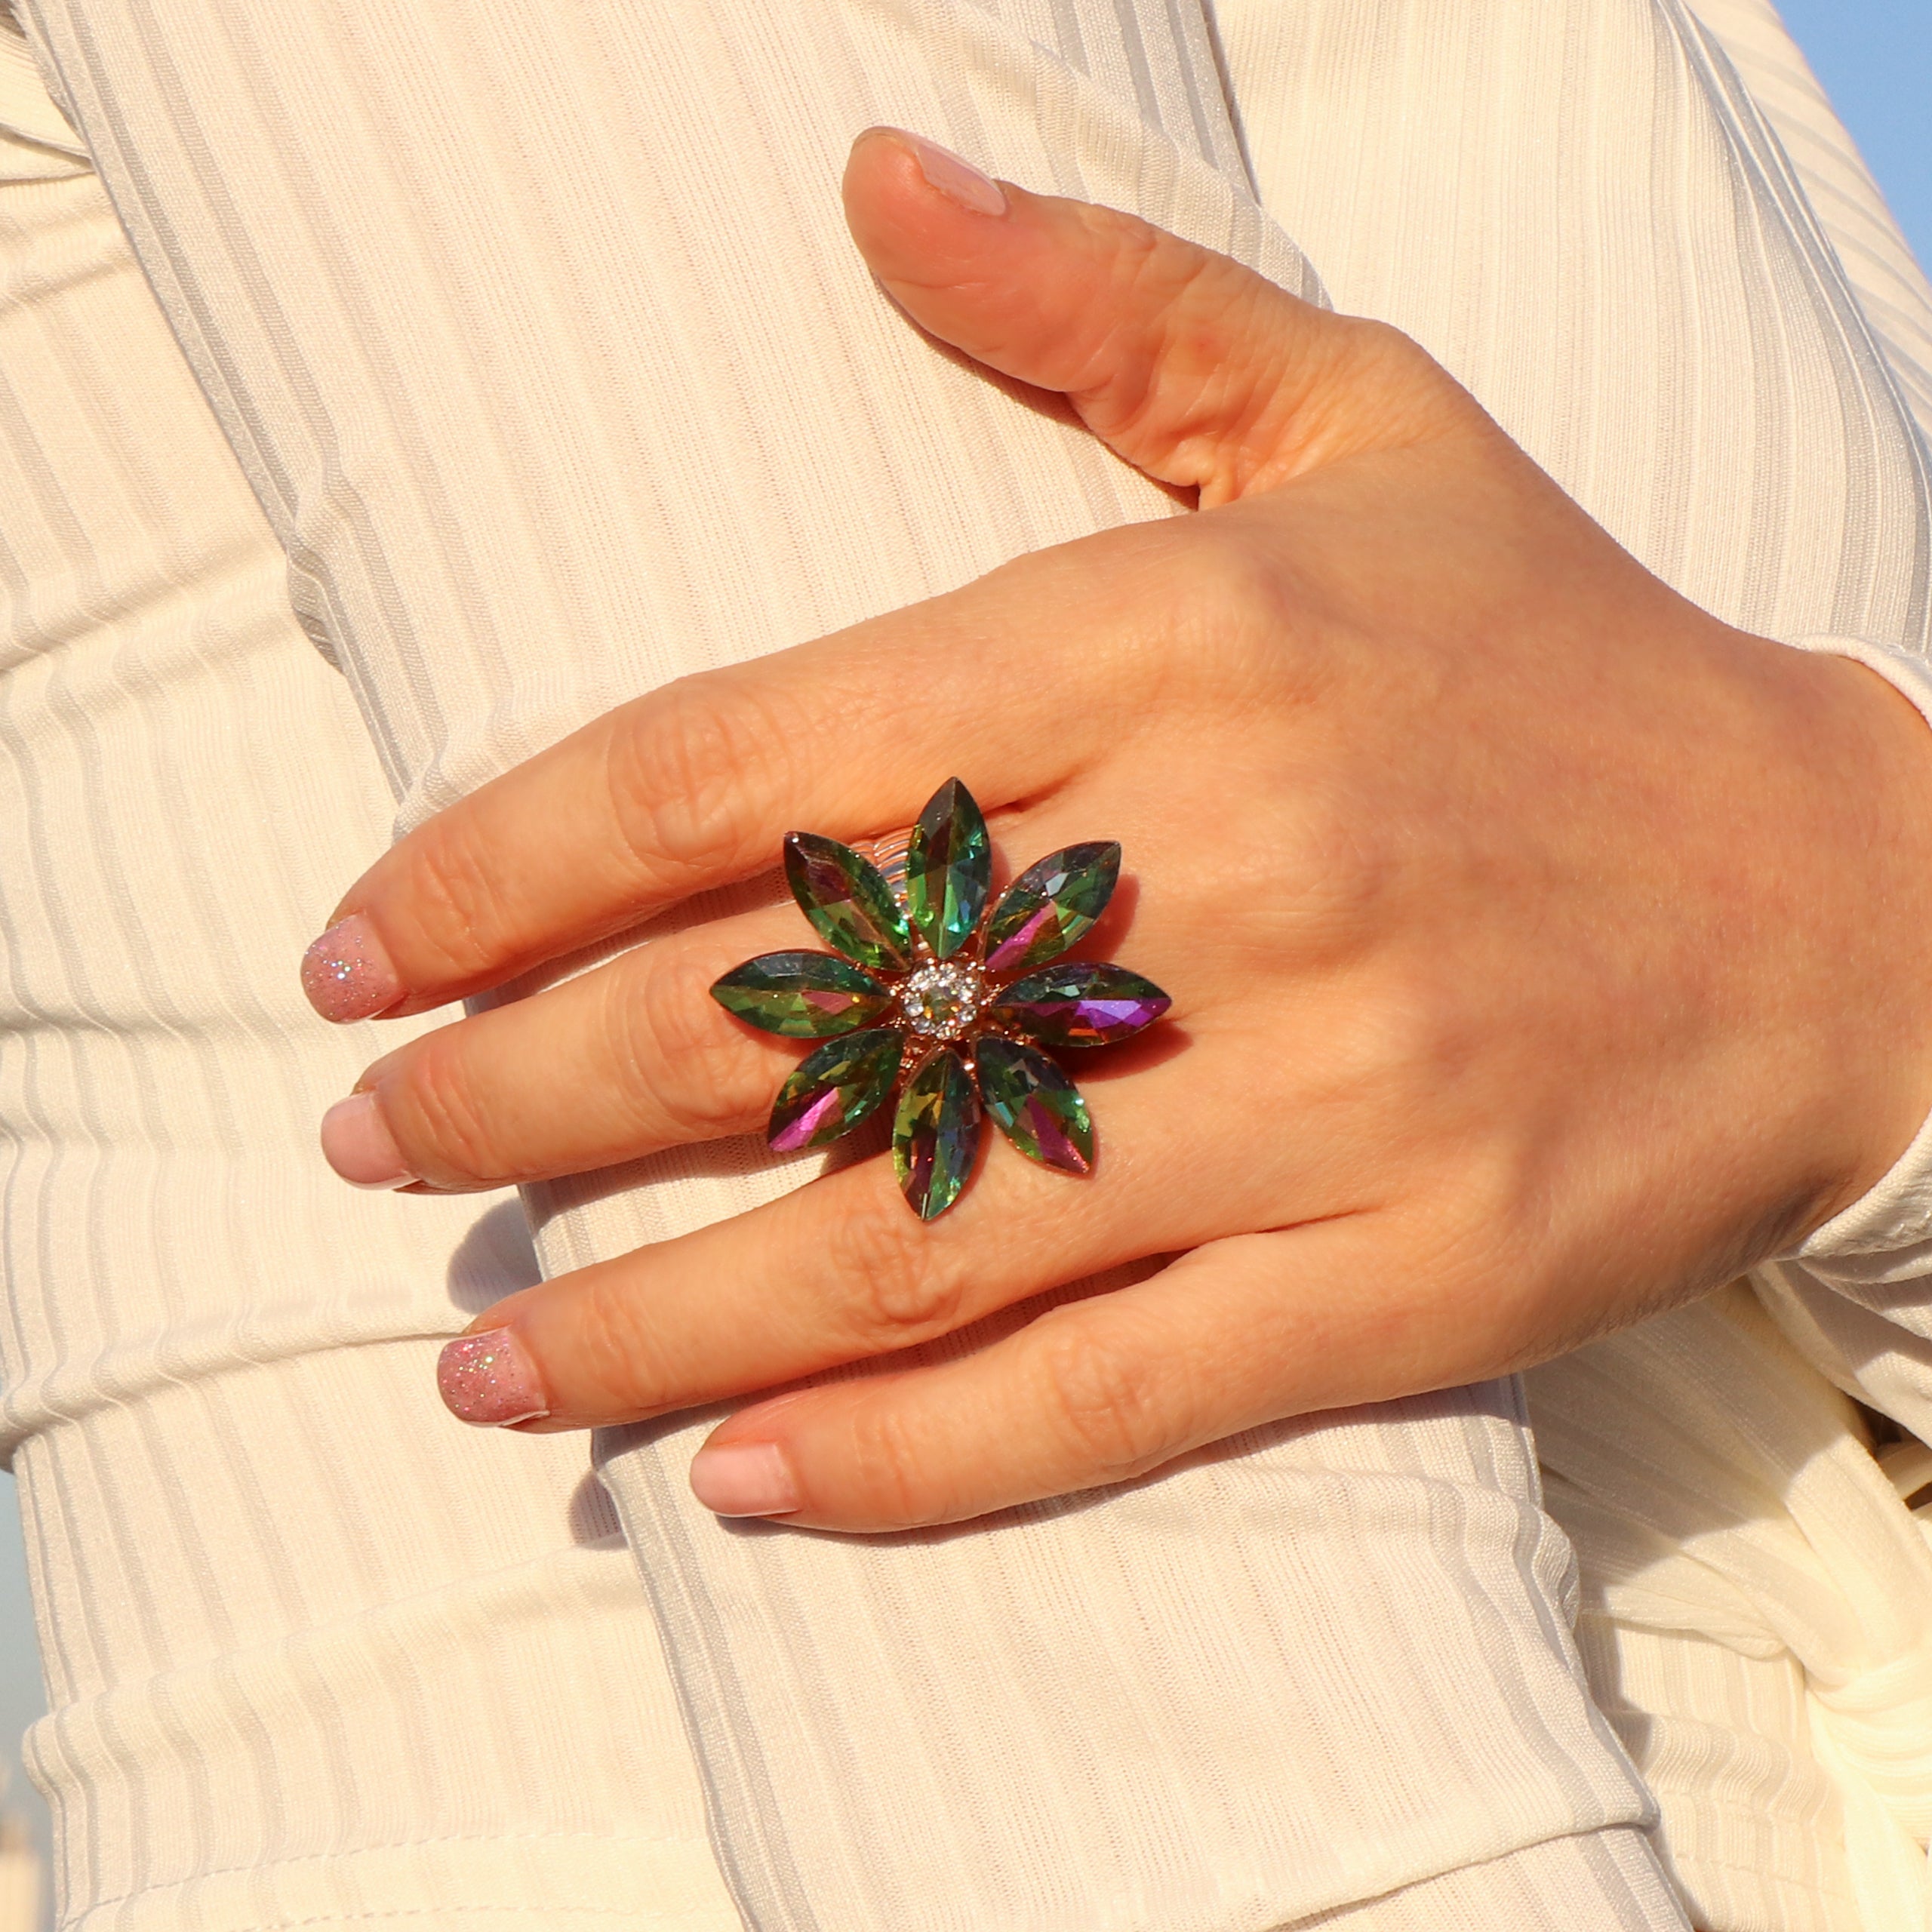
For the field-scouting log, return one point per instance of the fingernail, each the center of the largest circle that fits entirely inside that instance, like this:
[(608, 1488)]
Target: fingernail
[(348, 973), (357, 1143), (490, 1380), (744, 1479), (956, 178)]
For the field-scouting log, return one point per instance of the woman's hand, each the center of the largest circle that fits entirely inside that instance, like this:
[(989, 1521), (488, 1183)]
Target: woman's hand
[(1543, 952)]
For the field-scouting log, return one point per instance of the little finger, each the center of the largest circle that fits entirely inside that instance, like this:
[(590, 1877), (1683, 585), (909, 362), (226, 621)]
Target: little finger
[(1237, 1333)]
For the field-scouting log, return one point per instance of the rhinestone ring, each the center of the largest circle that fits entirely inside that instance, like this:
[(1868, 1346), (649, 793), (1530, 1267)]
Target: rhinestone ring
[(919, 997)]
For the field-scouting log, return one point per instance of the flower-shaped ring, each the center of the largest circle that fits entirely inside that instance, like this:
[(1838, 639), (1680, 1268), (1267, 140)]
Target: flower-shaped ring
[(918, 997)]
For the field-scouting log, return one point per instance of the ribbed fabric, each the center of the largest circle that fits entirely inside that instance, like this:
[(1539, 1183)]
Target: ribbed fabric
[(315, 1654), (1757, 1616), (539, 338), (1878, 261)]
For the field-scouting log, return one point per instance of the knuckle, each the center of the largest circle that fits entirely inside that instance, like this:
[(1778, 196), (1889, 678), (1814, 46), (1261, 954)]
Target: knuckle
[(1405, 1037), (1373, 340), (1190, 617), (900, 1284), (456, 901), (686, 777), (1193, 616), (1479, 1233), (1349, 877), (1229, 607), (1393, 377), (893, 1469), (1390, 1046), (1103, 1396), (442, 1129), (616, 1351), (682, 1068), (1334, 876)]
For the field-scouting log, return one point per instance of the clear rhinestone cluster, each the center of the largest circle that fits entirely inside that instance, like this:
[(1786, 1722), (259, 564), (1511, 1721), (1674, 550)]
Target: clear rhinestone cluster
[(942, 1002)]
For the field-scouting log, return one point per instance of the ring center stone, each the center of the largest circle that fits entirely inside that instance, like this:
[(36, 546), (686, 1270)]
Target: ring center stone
[(942, 1002)]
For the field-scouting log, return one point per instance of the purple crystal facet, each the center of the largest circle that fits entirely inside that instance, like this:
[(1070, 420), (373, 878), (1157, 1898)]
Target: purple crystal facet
[(832, 1091), (1052, 905), (1035, 1105), (1079, 1005), (936, 1136), (847, 898), (802, 995)]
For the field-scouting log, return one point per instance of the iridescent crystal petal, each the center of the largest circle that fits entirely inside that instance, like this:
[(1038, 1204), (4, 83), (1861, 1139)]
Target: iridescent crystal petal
[(1077, 1005), (847, 898), (1052, 905), (803, 995), (936, 1135), (949, 868), (833, 1088), (1036, 1106)]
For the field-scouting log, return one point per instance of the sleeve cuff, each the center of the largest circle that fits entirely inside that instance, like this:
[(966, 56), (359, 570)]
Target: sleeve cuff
[(36, 143)]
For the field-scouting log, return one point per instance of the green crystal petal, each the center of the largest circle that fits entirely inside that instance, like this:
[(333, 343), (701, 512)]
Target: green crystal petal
[(833, 1088), (803, 995), (1035, 1105), (936, 1135), (1075, 1004), (1052, 905), (847, 898), (948, 868)]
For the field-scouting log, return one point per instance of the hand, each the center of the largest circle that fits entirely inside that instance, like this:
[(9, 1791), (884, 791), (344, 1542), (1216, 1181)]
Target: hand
[(1543, 951)]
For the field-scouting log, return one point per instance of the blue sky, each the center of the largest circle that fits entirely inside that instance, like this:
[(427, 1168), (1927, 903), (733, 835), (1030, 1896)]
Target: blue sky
[(1875, 57)]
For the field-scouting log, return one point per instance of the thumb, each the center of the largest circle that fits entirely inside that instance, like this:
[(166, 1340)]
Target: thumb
[(1194, 368)]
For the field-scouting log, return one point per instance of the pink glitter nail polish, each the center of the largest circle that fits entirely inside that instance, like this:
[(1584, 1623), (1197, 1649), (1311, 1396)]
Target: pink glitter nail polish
[(348, 973), (489, 1380)]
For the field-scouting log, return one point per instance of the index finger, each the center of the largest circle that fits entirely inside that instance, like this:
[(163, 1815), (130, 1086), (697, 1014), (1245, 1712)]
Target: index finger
[(695, 786)]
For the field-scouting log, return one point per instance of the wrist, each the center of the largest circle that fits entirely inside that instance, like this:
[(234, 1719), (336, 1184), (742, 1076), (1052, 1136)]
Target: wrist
[(1867, 771)]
